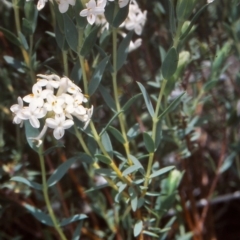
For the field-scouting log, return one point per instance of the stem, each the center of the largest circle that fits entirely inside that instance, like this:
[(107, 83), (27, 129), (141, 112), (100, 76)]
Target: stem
[(155, 122), (115, 91), (95, 165), (46, 197), (81, 60), (95, 134), (65, 62), (26, 55)]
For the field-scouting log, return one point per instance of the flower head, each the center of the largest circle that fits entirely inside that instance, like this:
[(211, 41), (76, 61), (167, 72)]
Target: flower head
[(92, 11), (57, 98)]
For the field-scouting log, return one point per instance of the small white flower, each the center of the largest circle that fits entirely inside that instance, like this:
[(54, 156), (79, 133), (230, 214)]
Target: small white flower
[(33, 113), (123, 3), (64, 5), (73, 88), (54, 103), (89, 116), (37, 97), (17, 110), (92, 11), (59, 124), (41, 4), (48, 81), (134, 45)]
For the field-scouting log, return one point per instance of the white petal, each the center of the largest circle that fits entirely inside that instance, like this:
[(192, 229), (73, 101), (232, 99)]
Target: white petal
[(28, 98), (72, 2), (123, 3), (67, 124), (34, 122), (91, 18), (58, 133), (63, 7), (51, 123), (83, 13)]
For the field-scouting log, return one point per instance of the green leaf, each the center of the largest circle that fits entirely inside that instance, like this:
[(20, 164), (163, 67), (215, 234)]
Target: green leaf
[(97, 76), (137, 228), (74, 218), (51, 149), (131, 101), (31, 133), (121, 15), (105, 139), (77, 232), (71, 32), (11, 37), (148, 141), (228, 162), (81, 21), (172, 106), (19, 66), (109, 123), (60, 171), (63, 168), (27, 182), (107, 98), (116, 134), (39, 215), (161, 171), (169, 65), (184, 9), (23, 41), (76, 73), (133, 131), (122, 51), (89, 41), (150, 234), (209, 85), (130, 169), (146, 99), (60, 38), (109, 11), (158, 134), (105, 172), (136, 161), (121, 186), (103, 159), (194, 19), (97, 188), (133, 198), (27, 27)]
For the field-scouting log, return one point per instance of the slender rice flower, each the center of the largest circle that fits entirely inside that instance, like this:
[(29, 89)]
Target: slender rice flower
[(63, 5), (93, 9), (57, 99)]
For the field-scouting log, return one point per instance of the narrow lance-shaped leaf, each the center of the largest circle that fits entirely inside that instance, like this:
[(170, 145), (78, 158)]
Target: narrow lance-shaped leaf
[(172, 106), (109, 123), (149, 144), (89, 41), (161, 171), (107, 143), (31, 133), (97, 76), (131, 101), (121, 16), (39, 215), (133, 198), (169, 65), (103, 159), (130, 169), (71, 32), (116, 134), (146, 99), (107, 98), (74, 218), (122, 51), (10, 36), (27, 182), (137, 228)]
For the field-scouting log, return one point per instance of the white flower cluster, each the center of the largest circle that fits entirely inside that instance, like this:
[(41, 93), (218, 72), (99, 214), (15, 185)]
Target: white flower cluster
[(135, 21), (57, 99)]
